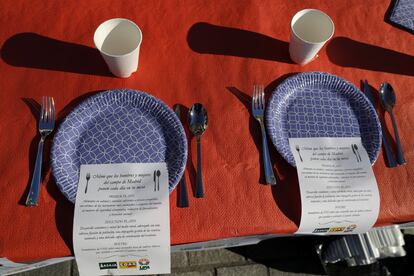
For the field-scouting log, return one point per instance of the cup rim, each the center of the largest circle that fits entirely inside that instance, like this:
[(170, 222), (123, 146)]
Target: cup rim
[(120, 19), (310, 42)]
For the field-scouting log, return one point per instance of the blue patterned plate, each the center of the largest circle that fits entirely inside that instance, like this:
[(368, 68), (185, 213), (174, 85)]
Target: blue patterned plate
[(118, 126), (402, 14), (317, 104)]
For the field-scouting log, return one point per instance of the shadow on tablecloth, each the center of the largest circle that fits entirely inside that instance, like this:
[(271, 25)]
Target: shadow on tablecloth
[(34, 108), (347, 52), (33, 50), (205, 38), (64, 210), (286, 192)]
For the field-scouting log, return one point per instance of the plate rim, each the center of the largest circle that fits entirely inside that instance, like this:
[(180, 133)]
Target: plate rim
[(318, 74), (97, 99)]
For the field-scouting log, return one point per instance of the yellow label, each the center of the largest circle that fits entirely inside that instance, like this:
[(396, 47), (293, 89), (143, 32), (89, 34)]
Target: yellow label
[(128, 264), (336, 229)]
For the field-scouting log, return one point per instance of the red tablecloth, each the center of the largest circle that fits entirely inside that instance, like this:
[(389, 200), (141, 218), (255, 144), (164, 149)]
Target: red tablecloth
[(193, 51)]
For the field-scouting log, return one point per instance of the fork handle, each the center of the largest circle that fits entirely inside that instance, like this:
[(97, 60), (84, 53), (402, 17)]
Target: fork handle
[(33, 197), (270, 177)]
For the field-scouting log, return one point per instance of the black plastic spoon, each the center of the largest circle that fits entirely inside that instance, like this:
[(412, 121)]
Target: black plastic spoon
[(198, 121), (387, 98)]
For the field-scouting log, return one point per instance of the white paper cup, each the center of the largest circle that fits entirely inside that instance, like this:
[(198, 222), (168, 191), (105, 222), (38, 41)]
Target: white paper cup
[(310, 29), (118, 40)]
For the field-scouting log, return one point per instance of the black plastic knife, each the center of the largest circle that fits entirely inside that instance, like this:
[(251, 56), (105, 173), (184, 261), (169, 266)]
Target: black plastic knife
[(182, 189), (388, 152)]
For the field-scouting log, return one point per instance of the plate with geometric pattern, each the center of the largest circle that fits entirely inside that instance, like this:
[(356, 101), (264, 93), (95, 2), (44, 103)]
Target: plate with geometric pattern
[(118, 126), (317, 104), (402, 14)]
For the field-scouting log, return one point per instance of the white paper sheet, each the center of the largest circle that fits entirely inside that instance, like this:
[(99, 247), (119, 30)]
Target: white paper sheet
[(121, 223), (339, 193)]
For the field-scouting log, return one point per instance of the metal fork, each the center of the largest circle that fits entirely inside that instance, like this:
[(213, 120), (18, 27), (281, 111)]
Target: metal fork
[(46, 126), (258, 106)]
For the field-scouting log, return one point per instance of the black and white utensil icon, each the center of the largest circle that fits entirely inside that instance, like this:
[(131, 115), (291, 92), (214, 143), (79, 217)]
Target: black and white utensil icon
[(88, 176), (357, 151), (155, 182), (298, 149), (158, 185), (353, 150)]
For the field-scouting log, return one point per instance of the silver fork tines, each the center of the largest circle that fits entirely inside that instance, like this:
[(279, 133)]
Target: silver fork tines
[(258, 106), (46, 126), (258, 101)]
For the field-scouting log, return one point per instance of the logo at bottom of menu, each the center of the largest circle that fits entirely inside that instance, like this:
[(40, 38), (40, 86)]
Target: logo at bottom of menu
[(128, 264), (350, 228), (336, 229), (320, 230), (108, 265), (144, 264)]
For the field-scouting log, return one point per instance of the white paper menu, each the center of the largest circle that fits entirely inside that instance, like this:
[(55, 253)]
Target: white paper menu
[(338, 190), (121, 223)]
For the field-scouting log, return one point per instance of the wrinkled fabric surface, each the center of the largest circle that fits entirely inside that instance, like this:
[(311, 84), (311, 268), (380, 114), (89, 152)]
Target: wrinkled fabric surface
[(192, 51)]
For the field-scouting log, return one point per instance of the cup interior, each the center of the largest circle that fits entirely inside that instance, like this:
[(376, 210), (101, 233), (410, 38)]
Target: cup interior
[(117, 37), (312, 26)]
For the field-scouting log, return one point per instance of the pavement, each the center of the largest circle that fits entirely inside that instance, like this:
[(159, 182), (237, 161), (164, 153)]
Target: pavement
[(288, 256)]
